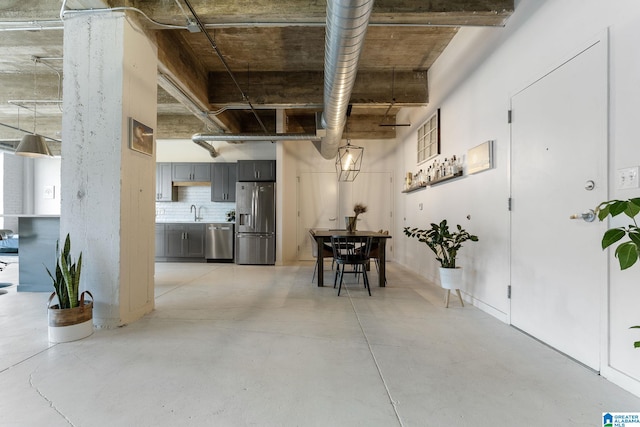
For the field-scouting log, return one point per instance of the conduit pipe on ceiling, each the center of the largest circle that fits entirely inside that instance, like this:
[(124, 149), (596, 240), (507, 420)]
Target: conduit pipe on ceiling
[(210, 148), (198, 137), (347, 22)]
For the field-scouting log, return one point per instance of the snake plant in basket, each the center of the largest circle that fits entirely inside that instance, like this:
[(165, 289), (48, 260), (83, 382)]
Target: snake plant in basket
[(627, 252), (71, 318)]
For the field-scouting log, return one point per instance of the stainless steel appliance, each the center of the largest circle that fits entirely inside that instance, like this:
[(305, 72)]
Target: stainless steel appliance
[(256, 223), (218, 241)]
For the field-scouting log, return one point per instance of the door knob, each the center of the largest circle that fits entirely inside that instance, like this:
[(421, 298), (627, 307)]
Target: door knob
[(587, 216)]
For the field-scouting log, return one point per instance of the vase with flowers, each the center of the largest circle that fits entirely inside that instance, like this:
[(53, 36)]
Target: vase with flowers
[(350, 221)]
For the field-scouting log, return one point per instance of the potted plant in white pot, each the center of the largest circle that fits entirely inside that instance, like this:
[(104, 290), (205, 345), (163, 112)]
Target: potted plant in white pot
[(72, 318), (627, 251), (445, 245)]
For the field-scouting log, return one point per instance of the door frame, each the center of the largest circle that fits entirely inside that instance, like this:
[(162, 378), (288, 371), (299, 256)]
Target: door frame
[(602, 37)]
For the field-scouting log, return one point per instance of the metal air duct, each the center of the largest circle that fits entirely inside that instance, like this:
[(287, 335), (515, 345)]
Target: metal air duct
[(347, 22)]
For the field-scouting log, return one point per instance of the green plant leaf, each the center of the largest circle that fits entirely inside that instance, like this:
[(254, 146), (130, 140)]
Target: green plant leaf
[(611, 236), (632, 209), (627, 254), (602, 210), (635, 237), (617, 207)]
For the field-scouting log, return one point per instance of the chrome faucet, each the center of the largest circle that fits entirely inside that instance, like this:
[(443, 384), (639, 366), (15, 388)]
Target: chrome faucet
[(195, 212)]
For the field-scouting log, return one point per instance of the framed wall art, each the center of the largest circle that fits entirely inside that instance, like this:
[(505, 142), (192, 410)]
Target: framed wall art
[(140, 137), (429, 138), (480, 158)]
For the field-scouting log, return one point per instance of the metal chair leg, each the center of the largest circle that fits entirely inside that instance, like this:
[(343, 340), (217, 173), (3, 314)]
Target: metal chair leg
[(341, 278), (366, 280)]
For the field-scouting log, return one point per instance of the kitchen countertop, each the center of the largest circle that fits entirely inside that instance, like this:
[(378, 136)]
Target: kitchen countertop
[(194, 222)]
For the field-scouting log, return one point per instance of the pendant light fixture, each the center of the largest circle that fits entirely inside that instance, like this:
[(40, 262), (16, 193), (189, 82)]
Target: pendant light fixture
[(33, 145), (349, 161)]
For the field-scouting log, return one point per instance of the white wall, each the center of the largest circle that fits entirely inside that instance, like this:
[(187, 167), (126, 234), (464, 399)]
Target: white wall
[(472, 83), (46, 176), (13, 189), (184, 150), (302, 156)]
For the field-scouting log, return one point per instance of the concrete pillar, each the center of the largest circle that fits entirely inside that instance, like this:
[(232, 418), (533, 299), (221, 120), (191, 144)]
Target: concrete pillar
[(108, 189)]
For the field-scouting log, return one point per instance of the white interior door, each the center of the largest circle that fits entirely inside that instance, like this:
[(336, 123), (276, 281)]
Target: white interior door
[(317, 207), (323, 203), (558, 147), (374, 190)]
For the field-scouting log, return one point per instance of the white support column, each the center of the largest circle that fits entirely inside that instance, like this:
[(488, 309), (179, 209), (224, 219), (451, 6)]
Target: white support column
[(108, 189)]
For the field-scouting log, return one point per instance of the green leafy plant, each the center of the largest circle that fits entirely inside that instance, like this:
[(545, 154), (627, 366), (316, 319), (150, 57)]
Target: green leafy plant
[(66, 281), (627, 252), (441, 241)]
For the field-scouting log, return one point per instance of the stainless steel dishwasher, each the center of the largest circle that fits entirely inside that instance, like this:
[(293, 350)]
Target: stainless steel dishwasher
[(218, 243)]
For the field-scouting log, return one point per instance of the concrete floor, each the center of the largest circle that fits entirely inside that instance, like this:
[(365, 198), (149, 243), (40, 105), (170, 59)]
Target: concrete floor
[(261, 346)]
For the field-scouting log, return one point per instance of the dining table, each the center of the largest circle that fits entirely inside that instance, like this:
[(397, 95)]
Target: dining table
[(323, 236)]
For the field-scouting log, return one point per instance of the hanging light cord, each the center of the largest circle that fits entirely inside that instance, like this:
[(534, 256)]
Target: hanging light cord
[(35, 95)]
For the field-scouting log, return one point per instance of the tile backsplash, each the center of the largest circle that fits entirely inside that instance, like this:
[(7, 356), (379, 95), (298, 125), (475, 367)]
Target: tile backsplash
[(200, 196)]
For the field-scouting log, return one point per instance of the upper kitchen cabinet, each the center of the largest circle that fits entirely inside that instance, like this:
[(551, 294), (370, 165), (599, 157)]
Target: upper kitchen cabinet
[(223, 182), (191, 172), (165, 191), (256, 170)]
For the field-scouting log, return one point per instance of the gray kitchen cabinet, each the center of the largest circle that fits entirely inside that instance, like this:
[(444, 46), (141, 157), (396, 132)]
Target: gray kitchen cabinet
[(223, 182), (186, 172), (160, 240), (165, 191), (256, 170), (184, 240)]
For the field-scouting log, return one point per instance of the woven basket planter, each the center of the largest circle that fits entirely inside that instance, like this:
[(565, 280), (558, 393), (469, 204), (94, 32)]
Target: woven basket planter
[(70, 324)]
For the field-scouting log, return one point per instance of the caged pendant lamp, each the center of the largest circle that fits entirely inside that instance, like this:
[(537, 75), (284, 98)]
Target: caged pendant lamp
[(33, 145), (349, 161)]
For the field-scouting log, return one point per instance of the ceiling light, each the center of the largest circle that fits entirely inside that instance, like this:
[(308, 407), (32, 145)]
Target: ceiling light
[(33, 146), (349, 161)]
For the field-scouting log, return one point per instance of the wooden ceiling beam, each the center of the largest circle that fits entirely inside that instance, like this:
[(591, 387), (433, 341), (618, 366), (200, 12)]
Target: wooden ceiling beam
[(296, 12), (178, 64), (305, 88)]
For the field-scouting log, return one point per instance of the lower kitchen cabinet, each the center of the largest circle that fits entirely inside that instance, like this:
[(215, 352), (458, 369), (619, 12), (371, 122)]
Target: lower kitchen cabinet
[(180, 241), (160, 240)]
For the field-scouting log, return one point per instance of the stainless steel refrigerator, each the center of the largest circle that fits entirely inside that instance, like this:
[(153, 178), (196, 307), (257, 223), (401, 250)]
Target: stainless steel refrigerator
[(255, 223)]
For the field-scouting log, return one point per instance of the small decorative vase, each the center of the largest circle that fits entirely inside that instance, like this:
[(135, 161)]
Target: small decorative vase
[(351, 223)]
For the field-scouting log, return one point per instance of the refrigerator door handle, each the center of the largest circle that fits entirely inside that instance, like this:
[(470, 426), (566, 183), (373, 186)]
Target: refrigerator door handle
[(254, 207)]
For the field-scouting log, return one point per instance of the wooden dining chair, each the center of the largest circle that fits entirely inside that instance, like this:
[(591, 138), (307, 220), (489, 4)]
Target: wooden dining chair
[(351, 251)]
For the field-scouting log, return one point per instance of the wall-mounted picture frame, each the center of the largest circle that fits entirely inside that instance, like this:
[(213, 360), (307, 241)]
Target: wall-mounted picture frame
[(140, 137), (429, 138), (480, 158)]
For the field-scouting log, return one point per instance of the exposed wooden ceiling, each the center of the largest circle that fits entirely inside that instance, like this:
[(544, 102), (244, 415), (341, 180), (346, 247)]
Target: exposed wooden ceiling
[(274, 50)]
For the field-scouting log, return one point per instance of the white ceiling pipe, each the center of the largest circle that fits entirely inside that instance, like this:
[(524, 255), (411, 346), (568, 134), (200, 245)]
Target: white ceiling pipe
[(347, 22)]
